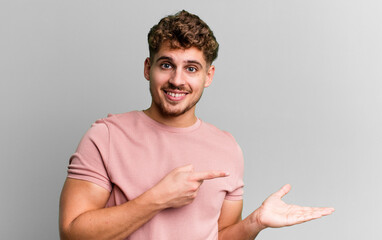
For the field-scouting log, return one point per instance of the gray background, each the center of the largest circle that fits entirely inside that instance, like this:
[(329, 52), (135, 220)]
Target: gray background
[(298, 83)]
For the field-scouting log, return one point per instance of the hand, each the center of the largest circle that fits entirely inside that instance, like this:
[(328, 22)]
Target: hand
[(275, 213), (181, 185)]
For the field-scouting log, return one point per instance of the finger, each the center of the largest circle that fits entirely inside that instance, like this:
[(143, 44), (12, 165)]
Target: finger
[(307, 213), (324, 211), (307, 216), (302, 216), (201, 176), (283, 191), (319, 210), (186, 168), (316, 210)]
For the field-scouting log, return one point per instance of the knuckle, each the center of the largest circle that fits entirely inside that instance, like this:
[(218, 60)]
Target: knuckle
[(208, 175), (193, 196), (194, 188)]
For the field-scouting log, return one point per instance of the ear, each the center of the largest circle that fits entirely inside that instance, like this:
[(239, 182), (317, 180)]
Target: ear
[(147, 68), (210, 76)]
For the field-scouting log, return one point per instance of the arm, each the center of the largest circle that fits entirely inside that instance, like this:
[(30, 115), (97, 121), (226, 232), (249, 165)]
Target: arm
[(83, 214), (272, 213), (230, 224)]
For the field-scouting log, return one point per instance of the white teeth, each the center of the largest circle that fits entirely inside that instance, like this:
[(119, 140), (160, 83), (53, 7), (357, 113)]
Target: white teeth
[(175, 94)]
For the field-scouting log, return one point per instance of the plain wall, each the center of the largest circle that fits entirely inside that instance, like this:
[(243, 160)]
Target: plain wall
[(298, 83)]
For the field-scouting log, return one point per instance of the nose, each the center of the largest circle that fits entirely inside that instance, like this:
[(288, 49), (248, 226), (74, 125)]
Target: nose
[(177, 78)]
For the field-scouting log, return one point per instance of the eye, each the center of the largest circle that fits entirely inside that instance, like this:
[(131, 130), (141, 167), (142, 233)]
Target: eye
[(191, 69), (166, 66)]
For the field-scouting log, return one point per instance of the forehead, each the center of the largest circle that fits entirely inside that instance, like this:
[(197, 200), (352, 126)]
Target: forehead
[(180, 54)]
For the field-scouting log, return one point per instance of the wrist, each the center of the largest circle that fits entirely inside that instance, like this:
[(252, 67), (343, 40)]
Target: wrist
[(251, 227), (152, 200), (255, 219)]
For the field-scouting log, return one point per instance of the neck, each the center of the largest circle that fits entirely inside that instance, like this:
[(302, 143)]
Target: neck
[(184, 120)]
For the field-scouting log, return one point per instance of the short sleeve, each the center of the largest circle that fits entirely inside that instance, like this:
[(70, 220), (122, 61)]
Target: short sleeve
[(236, 194), (89, 162), (238, 172)]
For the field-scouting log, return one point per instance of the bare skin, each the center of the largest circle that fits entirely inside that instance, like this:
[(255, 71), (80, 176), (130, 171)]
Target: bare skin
[(176, 71), (177, 79), (83, 216), (273, 213)]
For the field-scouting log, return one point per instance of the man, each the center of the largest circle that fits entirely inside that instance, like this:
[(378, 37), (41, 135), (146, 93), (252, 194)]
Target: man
[(162, 173)]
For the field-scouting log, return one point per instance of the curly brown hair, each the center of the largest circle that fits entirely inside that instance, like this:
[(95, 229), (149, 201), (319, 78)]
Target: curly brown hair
[(184, 30)]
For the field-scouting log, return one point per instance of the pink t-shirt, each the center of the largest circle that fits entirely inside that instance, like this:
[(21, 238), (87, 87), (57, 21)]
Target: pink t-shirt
[(129, 153)]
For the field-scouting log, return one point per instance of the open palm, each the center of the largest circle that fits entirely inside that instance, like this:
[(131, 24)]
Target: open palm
[(276, 213)]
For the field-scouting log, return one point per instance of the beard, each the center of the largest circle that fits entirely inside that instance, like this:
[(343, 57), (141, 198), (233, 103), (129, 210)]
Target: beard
[(168, 109)]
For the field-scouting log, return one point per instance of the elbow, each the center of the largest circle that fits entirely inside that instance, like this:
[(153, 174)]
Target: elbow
[(64, 235), (221, 233), (64, 232)]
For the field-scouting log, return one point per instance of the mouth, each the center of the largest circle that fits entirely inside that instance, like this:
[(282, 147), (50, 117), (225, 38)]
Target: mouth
[(175, 96)]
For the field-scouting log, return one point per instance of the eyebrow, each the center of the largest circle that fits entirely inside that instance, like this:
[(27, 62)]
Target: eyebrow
[(187, 61)]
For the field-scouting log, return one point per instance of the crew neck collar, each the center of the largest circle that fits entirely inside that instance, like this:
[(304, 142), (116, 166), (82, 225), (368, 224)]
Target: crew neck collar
[(156, 124)]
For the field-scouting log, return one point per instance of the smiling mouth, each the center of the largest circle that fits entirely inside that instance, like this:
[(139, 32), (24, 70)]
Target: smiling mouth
[(175, 96)]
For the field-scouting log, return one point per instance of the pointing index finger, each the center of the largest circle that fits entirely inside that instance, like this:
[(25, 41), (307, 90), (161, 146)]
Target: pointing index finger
[(201, 176)]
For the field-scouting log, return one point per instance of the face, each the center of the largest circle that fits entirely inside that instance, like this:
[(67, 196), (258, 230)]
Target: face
[(177, 80)]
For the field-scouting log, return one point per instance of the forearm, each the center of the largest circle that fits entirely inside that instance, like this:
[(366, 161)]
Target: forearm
[(116, 222), (246, 229)]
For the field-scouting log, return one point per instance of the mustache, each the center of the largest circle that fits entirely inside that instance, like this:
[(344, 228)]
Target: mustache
[(170, 86)]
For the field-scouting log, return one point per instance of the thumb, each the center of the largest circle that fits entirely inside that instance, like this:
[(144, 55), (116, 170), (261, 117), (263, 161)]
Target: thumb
[(186, 168), (283, 191)]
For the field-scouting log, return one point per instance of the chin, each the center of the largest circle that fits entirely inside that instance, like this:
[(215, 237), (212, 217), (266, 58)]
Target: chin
[(174, 112)]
